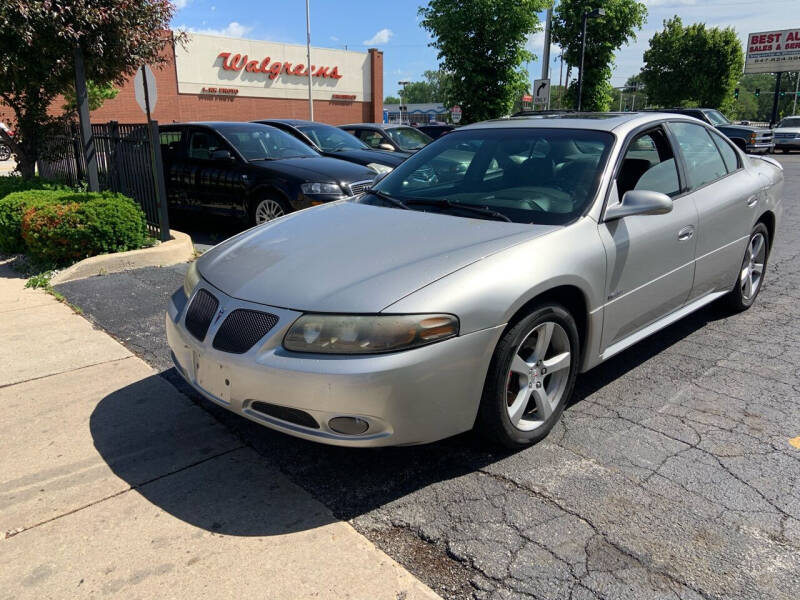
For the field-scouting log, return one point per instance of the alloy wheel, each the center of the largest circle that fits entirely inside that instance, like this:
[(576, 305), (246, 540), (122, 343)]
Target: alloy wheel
[(267, 210), (538, 376), (753, 266)]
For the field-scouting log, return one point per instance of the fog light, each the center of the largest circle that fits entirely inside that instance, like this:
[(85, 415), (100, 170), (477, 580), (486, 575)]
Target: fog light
[(348, 425)]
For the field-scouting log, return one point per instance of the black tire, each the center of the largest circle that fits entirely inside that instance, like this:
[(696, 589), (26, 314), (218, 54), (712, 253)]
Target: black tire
[(738, 300), (5, 152), (493, 419), (276, 201), (785, 151)]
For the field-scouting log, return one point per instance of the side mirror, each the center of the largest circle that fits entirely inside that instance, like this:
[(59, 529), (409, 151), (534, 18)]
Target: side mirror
[(639, 202), (385, 146), (222, 155)]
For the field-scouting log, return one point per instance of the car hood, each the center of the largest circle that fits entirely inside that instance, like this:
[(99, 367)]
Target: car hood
[(744, 128), (352, 258), (318, 168), (787, 130), (368, 156)]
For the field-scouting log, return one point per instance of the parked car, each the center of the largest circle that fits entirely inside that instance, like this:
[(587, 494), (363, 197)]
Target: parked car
[(435, 130), (389, 136), (5, 138), (252, 171), (332, 141), (787, 134), (747, 138), (419, 310)]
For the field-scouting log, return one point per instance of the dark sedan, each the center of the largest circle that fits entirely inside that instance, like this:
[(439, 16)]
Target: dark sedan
[(335, 143), (389, 136), (251, 171)]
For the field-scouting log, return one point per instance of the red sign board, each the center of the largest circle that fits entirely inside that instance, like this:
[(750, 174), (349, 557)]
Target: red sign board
[(240, 62)]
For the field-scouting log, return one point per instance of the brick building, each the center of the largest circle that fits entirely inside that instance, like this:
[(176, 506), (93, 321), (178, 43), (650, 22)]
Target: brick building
[(230, 79)]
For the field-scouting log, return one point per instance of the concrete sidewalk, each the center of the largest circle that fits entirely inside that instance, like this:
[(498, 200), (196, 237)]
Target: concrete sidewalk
[(114, 484)]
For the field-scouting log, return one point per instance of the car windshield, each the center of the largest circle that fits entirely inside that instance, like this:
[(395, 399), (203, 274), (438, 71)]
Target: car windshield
[(260, 142), (526, 175), (408, 138), (332, 139), (717, 118), (790, 122)]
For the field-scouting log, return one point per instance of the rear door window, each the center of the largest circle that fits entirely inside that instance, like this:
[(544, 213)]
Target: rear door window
[(703, 161), (202, 144)]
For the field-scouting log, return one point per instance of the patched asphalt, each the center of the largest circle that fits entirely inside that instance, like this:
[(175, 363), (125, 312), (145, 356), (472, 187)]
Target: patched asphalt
[(671, 475)]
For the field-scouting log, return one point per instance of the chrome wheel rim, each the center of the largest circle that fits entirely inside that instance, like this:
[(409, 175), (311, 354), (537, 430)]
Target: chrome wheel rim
[(538, 376), (268, 210), (753, 266)]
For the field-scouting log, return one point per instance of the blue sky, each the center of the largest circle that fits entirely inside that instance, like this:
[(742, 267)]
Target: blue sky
[(393, 26)]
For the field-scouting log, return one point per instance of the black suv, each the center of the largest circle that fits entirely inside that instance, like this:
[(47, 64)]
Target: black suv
[(750, 139), (332, 141), (251, 170)]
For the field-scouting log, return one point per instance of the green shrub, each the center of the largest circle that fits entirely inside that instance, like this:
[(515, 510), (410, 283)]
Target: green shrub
[(9, 185), (82, 225), (13, 206)]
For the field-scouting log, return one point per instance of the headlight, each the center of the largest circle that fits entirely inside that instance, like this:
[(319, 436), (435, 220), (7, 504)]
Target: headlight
[(321, 188), (348, 334), (379, 168), (191, 280)]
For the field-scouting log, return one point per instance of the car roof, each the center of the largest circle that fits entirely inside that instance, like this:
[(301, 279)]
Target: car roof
[(292, 122), (376, 125), (597, 121), (213, 124)]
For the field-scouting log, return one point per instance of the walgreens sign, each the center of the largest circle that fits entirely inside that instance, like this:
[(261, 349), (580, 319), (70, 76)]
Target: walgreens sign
[(242, 62)]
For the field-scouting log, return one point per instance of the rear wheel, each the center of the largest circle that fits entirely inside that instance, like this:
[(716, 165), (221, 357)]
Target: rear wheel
[(531, 377), (267, 209), (5, 152), (751, 275)]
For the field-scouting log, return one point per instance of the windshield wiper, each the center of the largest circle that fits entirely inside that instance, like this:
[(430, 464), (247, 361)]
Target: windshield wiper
[(479, 210), (389, 199)]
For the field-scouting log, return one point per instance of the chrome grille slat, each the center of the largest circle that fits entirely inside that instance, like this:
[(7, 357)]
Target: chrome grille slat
[(200, 313), (242, 329), (359, 187)]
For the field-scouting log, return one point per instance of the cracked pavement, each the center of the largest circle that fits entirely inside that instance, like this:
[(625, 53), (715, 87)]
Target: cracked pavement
[(670, 475)]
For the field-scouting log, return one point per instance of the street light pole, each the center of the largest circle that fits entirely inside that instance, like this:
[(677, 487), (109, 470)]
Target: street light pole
[(404, 83), (597, 12), (796, 90), (308, 58)]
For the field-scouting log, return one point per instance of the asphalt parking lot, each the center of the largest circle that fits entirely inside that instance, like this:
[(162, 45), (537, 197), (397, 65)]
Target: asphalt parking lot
[(675, 473)]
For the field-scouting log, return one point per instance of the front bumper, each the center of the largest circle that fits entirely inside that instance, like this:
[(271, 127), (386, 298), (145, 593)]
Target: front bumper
[(411, 397), (760, 147), (787, 144)]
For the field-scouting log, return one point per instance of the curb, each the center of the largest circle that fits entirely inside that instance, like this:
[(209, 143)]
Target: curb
[(177, 250)]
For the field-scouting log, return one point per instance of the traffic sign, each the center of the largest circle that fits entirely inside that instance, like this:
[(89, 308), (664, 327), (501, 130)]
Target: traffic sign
[(455, 114), (541, 91), (142, 98)]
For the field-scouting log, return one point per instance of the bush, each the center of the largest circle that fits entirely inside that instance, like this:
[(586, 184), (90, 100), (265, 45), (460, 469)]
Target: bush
[(82, 225), (9, 185), (13, 206)]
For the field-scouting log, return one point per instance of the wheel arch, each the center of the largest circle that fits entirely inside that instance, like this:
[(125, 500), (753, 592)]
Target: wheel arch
[(769, 221), (739, 143)]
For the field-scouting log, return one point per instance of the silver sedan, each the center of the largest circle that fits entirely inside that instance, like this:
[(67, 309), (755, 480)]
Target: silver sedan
[(472, 284)]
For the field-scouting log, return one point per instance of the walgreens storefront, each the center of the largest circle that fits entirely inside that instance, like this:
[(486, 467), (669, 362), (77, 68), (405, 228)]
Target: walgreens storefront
[(226, 79)]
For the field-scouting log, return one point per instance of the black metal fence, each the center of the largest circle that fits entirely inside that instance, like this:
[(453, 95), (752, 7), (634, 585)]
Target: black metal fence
[(127, 162)]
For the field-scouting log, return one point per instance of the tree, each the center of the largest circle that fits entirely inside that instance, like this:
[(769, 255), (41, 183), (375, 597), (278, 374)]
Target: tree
[(391, 100), (481, 47), (604, 36), (432, 88), (38, 40), (692, 65), (98, 93)]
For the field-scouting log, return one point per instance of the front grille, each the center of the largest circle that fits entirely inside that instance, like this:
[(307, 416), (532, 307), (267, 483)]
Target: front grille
[(200, 313), (359, 187), (242, 329), (786, 136), (284, 413)]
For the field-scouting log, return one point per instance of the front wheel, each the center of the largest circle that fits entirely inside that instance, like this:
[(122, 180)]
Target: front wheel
[(751, 274), (5, 152), (267, 209), (531, 377)]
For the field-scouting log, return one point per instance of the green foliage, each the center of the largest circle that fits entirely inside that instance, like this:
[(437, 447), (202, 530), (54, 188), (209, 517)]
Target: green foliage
[(753, 108), (604, 36), (37, 42), (18, 184), (40, 280), (692, 65), (433, 88), (14, 205), (482, 44), (98, 93), (391, 100), (82, 225)]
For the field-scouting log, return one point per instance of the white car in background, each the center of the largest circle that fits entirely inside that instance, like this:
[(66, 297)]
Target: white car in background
[(787, 134)]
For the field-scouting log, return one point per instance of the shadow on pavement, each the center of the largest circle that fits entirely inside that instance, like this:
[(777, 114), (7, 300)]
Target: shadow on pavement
[(187, 464)]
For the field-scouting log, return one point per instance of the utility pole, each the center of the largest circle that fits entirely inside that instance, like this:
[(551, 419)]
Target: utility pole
[(82, 97), (775, 97), (597, 12), (796, 91), (546, 51), (560, 75), (308, 58)]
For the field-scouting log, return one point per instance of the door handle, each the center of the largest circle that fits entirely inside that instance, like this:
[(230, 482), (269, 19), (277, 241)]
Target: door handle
[(752, 201), (686, 233)]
